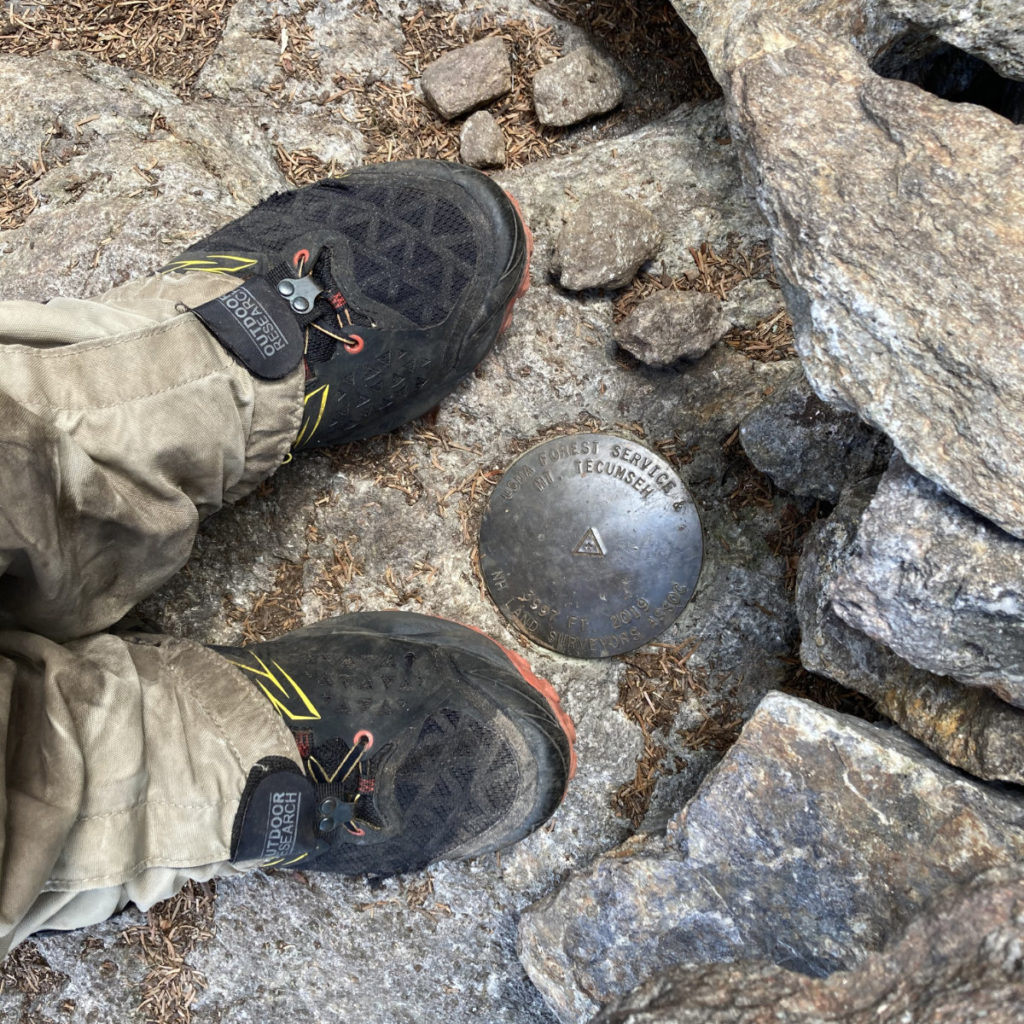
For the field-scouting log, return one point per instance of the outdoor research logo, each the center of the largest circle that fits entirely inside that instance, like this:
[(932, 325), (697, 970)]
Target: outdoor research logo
[(282, 825), (255, 321)]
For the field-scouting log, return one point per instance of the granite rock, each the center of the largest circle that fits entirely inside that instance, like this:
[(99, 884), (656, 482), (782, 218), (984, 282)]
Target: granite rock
[(605, 241), (266, 43), (991, 31), (670, 325), (677, 169), (958, 961), (752, 302), (482, 143), (467, 78), (967, 726), (938, 584), (276, 63), (814, 839), (896, 218), (137, 187), (573, 88), (809, 448)]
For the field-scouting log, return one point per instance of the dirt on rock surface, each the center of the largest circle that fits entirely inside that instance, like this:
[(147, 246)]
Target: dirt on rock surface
[(392, 522)]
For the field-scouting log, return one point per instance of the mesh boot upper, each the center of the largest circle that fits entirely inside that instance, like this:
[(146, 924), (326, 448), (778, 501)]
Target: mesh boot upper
[(425, 747)]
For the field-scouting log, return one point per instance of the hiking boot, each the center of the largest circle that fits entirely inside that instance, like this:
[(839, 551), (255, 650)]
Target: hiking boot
[(422, 740), (391, 283)]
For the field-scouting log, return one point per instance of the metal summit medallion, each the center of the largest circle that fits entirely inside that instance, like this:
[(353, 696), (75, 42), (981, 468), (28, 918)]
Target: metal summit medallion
[(591, 545)]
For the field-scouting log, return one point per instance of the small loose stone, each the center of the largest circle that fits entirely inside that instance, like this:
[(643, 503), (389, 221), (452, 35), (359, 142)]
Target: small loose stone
[(482, 143), (573, 88), (604, 243), (669, 325), (467, 78)]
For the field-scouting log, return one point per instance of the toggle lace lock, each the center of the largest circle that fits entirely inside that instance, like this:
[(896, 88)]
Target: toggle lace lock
[(301, 292), (332, 812)]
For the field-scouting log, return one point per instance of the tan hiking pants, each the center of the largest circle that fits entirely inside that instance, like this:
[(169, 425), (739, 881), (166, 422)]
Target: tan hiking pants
[(122, 424)]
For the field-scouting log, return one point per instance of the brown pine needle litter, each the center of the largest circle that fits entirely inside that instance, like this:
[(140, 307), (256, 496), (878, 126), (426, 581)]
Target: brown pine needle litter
[(787, 542), (173, 931), (717, 273), (827, 692), (276, 611), (768, 341), (17, 198), (650, 695), (304, 167), (170, 39), (26, 970)]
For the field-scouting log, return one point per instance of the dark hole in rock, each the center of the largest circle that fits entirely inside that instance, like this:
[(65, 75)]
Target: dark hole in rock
[(950, 73)]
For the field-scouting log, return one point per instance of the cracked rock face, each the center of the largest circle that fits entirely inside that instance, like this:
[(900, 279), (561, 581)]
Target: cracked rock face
[(605, 241), (808, 447), (967, 726), (897, 223), (937, 584), (814, 838), (959, 961)]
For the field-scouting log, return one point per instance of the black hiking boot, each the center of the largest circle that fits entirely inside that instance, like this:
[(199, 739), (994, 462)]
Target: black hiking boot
[(391, 283), (422, 740)]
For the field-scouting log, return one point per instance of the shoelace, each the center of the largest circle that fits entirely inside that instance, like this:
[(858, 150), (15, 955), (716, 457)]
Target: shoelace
[(302, 293), (340, 792)]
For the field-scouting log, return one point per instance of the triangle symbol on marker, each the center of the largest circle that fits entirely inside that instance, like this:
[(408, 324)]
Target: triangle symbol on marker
[(590, 544)]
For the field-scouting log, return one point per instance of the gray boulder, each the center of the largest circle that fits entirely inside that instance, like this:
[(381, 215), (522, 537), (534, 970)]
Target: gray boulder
[(675, 168), (467, 78), (605, 241), (966, 726), (580, 85), (937, 584), (670, 325), (897, 220), (482, 143), (815, 838), (809, 448), (991, 31), (959, 961)]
